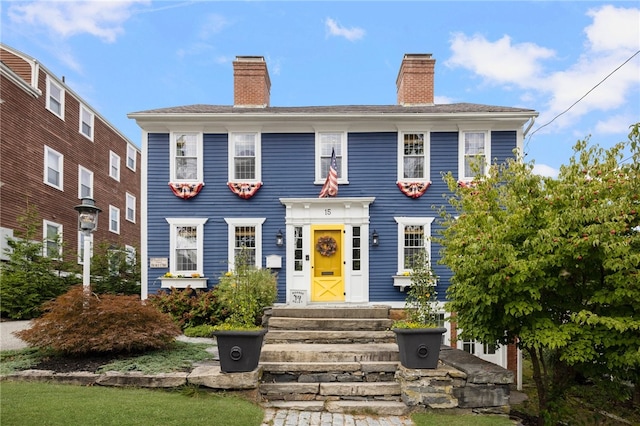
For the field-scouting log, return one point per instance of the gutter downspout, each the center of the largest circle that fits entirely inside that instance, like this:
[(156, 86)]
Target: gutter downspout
[(533, 120)]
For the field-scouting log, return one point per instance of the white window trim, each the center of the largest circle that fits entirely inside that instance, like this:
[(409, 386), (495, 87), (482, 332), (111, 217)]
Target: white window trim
[(81, 236), (60, 167), (51, 82), (403, 221), (427, 156), (129, 198), (232, 224), (258, 157), (58, 226), (186, 221), (114, 159), (91, 124), (132, 153), (343, 173), (461, 152), (114, 210), (199, 157), (80, 170)]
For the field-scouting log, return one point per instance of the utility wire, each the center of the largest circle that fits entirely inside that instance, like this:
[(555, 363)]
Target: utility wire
[(576, 102)]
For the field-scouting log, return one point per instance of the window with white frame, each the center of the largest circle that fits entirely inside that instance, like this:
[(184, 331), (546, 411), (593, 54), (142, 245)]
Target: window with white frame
[(326, 143), (131, 157), (186, 157), (85, 183), (52, 237), (55, 98), (114, 219), (186, 242), (474, 154), (81, 237), (413, 157), (244, 157), (131, 208), (245, 234), (53, 167), (86, 121), (114, 165), (414, 236)]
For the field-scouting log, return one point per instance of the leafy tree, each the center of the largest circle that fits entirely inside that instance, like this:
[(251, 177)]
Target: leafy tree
[(115, 270), (552, 264), (30, 278)]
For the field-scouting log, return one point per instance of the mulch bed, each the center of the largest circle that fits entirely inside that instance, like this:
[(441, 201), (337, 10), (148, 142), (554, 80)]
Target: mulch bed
[(70, 364)]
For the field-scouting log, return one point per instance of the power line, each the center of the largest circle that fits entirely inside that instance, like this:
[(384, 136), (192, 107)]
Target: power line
[(576, 102)]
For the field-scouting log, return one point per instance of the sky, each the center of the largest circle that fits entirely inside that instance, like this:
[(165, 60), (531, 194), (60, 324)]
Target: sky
[(575, 62)]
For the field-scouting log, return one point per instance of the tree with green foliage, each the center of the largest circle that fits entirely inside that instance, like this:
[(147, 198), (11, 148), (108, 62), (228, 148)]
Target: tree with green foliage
[(552, 265), (115, 270), (29, 278)]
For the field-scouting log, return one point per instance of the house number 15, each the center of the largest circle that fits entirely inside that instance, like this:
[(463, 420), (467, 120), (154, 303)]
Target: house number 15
[(327, 212)]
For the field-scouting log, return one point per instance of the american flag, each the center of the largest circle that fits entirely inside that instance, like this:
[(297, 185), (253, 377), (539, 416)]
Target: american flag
[(330, 187)]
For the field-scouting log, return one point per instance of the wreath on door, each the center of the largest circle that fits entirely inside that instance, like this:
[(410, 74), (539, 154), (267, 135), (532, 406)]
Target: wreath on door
[(326, 246)]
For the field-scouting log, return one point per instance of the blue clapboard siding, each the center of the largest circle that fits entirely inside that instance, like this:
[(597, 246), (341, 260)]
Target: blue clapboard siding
[(288, 169)]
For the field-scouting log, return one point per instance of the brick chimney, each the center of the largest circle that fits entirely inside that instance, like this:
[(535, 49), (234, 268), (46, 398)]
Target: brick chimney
[(251, 83), (415, 79)]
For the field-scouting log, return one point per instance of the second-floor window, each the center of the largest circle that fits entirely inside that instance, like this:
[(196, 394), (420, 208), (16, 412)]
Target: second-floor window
[(131, 208), (55, 98), (326, 143), (114, 219), (52, 236), (186, 157), (244, 157), (86, 122), (474, 154), (414, 157), (114, 165), (53, 168), (85, 183)]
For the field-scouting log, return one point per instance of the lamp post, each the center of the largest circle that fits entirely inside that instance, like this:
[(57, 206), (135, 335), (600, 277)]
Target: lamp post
[(87, 223)]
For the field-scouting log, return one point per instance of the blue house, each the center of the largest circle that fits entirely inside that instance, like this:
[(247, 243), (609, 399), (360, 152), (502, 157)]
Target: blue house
[(218, 178)]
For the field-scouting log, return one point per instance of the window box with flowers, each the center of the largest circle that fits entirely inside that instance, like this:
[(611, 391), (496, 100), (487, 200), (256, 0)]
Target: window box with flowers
[(402, 280), (194, 280)]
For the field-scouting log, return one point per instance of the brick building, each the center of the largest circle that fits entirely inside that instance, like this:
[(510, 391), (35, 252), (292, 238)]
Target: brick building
[(55, 150)]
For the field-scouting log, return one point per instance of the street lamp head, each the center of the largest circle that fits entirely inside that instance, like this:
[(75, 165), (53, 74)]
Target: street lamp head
[(87, 215)]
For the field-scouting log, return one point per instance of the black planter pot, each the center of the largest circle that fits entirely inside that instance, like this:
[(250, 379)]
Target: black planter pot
[(419, 347), (239, 350)]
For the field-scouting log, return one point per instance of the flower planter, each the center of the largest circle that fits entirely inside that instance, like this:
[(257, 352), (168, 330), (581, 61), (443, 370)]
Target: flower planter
[(419, 347), (239, 351)]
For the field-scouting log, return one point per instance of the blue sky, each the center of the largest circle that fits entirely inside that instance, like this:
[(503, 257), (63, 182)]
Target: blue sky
[(127, 56)]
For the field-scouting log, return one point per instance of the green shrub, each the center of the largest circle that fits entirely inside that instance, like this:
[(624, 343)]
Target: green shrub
[(199, 331), (188, 307), (78, 324), (115, 270)]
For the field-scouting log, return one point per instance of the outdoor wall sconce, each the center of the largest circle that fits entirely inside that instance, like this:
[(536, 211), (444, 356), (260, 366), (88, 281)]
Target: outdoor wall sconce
[(279, 238), (374, 239)]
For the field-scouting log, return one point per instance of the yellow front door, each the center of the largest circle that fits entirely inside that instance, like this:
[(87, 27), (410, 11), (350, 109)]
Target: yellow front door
[(327, 264)]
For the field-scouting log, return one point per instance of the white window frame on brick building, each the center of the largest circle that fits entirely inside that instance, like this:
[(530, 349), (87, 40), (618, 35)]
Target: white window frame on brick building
[(53, 163), (131, 157), (114, 219), (55, 98), (131, 208), (52, 239), (87, 119), (114, 166), (85, 182)]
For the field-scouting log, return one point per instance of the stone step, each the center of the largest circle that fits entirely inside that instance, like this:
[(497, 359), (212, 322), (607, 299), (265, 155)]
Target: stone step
[(352, 352), (329, 336), (381, 312), (330, 367), (348, 324), (321, 391), (381, 408)]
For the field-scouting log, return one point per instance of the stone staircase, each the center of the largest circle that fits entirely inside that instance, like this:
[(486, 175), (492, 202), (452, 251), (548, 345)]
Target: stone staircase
[(336, 359)]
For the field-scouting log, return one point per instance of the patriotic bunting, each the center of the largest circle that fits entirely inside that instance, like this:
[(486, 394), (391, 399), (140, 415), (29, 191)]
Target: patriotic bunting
[(244, 190), (414, 189), (185, 190)]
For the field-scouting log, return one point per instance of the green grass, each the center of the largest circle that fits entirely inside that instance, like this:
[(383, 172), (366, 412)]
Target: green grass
[(455, 419), (27, 404)]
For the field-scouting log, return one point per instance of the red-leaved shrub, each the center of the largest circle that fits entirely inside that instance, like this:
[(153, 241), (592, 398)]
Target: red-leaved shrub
[(77, 324)]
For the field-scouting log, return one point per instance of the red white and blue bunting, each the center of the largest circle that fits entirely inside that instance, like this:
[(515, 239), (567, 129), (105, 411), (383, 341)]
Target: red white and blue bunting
[(185, 190), (414, 189), (244, 190)]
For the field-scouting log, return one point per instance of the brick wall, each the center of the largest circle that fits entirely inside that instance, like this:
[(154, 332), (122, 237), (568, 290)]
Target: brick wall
[(251, 84), (415, 80)]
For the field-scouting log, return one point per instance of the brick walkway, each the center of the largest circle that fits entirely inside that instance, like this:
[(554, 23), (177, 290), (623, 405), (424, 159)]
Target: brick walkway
[(313, 418)]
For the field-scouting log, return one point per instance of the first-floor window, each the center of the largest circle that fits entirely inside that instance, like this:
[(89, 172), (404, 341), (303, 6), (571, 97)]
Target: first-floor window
[(186, 242), (414, 237), (245, 235), (114, 219), (52, 236)]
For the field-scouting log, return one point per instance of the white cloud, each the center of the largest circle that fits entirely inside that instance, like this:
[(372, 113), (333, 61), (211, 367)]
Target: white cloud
[(102, 19), (614, 28), (214, 24), (544, 170), (615, 124), (335, 29)]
